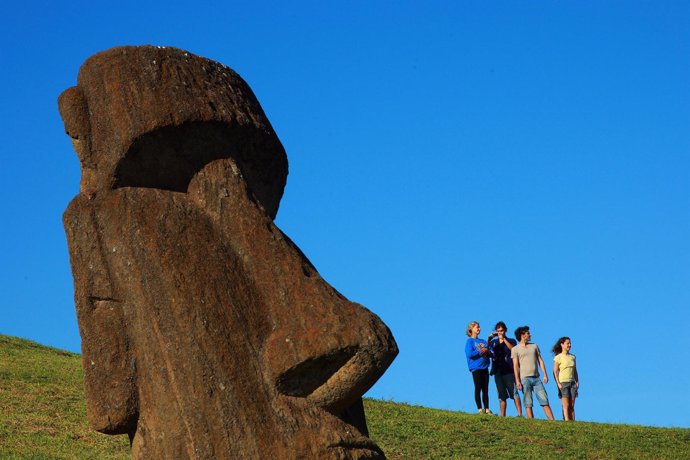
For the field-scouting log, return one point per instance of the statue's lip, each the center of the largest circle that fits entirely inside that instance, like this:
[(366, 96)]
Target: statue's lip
[(362, 444)]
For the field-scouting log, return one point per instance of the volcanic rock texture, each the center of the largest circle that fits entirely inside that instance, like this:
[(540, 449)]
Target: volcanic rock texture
[(206, 333)]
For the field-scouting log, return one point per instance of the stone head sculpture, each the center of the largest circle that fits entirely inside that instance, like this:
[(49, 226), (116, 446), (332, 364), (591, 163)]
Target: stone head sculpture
[(206, 333)]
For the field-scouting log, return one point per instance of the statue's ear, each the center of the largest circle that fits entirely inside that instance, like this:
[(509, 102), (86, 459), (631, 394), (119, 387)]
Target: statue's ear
[(75, 116)]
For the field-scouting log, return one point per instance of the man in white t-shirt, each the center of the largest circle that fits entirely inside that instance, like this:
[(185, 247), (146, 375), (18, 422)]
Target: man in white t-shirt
[(526, 357)]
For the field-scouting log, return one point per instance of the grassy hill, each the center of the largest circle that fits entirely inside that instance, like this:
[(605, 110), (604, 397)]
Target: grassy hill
[(43, 415)]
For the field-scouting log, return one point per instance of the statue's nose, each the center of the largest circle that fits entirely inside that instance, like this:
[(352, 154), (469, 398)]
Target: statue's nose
[(321, 346), (330, 353)]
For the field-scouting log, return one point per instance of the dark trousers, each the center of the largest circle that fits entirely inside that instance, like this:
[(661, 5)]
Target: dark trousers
[(481, 387)]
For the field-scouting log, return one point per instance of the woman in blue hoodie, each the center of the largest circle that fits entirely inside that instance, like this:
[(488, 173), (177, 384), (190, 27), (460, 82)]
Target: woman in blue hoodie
[(478, 359)]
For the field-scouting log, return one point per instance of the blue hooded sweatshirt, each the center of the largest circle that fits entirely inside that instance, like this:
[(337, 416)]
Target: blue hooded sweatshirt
[(475, 360)]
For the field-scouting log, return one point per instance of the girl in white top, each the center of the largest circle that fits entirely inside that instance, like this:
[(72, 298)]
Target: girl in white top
[(565, 373)]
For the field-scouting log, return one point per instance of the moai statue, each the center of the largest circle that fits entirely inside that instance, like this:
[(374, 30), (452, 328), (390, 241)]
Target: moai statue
[(206, 333)]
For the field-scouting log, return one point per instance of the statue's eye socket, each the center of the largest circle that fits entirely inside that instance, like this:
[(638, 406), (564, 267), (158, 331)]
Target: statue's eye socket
[(169, 157)]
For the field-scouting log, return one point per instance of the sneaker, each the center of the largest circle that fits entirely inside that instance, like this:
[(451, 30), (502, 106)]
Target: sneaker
[(480, 411), (488, 412)]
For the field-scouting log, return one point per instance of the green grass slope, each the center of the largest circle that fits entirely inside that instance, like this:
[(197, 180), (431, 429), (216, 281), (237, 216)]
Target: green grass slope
[(43, 416)]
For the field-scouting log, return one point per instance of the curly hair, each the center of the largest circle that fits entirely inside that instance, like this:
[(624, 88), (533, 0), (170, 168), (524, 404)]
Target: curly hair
[(519, 331), (558, 348)]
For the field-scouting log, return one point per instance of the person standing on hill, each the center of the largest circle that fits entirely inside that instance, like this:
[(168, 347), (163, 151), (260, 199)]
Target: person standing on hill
[(502, 367), (565, 373), (478, 360), (526, 356)]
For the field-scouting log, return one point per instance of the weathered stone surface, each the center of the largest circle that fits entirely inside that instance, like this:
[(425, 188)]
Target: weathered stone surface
[(153, 117), (206, 333)]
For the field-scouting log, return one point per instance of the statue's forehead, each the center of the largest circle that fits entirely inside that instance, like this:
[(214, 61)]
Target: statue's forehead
[(149, 107)]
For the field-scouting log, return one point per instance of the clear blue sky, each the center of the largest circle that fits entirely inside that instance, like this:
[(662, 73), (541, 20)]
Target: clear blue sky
[(456, 161)]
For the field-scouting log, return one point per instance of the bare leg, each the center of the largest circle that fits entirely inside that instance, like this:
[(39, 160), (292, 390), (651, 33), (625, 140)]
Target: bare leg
[(518, 406), (530, 414), (547, 412), (566, 408), (572, 409), (502, 405)]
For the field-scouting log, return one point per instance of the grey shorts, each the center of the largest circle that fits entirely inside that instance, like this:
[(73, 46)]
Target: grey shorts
[(505, 385), (568, 390)]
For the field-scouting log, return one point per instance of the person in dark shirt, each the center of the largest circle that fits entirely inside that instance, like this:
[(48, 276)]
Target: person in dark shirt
[(502, 368)]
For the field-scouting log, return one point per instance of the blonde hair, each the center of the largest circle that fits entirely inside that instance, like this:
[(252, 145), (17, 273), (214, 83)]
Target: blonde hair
[(469, 328)]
